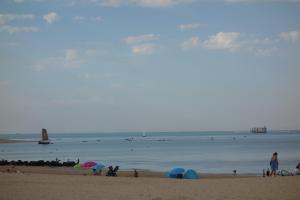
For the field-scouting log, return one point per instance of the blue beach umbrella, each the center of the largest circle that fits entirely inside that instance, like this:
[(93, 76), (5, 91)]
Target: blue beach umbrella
[(98, 166), (174, 172)]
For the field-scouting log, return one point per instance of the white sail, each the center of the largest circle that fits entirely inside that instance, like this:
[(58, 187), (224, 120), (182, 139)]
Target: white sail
[(144, 134)]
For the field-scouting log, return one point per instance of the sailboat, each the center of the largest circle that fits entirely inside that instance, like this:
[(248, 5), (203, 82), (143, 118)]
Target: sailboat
[(45, 138), (144, 134)]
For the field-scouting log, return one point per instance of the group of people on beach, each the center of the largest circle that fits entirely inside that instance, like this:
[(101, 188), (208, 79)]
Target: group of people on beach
[(274, 167)]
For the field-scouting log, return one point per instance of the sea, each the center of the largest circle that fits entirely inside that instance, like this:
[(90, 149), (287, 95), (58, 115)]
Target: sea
[(205, 152)]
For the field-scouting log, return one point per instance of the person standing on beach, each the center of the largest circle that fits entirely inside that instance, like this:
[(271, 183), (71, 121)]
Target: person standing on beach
[(274, 164)]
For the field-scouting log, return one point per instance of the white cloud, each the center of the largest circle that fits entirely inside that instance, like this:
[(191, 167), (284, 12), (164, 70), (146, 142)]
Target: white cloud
[(14, 29), (72, 59), (142, 3), (223, 40), (266, 52), (144, 49), (141, 38), (140, 44), (258, 41), (51, 62), (159, 3), (231, 41), (258, 1), (97, 19), (292, 36), (93, 52), (71, 54), (51, 17), (190, 43), (111, 3), (79, 19), (72, 3), (184, 27), (68, 58), (5, 18)]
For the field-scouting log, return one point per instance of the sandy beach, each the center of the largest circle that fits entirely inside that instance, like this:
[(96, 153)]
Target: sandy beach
[(63, 183)]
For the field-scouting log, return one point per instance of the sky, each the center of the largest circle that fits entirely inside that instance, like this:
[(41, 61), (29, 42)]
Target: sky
[(149, 65)]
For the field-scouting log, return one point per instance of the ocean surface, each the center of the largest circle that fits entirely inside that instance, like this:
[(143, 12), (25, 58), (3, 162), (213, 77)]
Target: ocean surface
[(207, 152)]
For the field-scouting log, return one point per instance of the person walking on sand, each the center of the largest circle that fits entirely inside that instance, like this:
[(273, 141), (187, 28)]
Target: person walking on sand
[(274, 164)]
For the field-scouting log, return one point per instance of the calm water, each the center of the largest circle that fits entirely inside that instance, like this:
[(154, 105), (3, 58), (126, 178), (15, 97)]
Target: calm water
[(213, 152)]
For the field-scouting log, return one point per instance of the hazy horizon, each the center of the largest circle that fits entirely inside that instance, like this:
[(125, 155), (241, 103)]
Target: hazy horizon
[(149, 65)]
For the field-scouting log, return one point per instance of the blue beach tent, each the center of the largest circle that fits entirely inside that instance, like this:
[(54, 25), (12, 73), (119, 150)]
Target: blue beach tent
[(174, 172), (191, 174)]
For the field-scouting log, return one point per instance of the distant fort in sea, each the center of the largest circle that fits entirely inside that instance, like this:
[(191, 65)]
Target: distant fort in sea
[(259, 129)]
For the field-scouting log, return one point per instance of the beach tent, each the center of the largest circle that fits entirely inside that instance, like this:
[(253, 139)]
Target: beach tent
[(191, 174), (88, 164), (175, 172), (98, 166)]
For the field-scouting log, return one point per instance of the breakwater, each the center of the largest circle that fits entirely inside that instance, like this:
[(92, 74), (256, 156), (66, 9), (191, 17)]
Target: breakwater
[(53, 163)]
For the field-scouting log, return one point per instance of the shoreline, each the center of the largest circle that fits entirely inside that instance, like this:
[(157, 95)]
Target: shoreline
[(12, 141), (143, 173)]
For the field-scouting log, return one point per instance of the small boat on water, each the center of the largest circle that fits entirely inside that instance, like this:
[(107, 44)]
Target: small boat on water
[(45, 138), (144, 134)]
